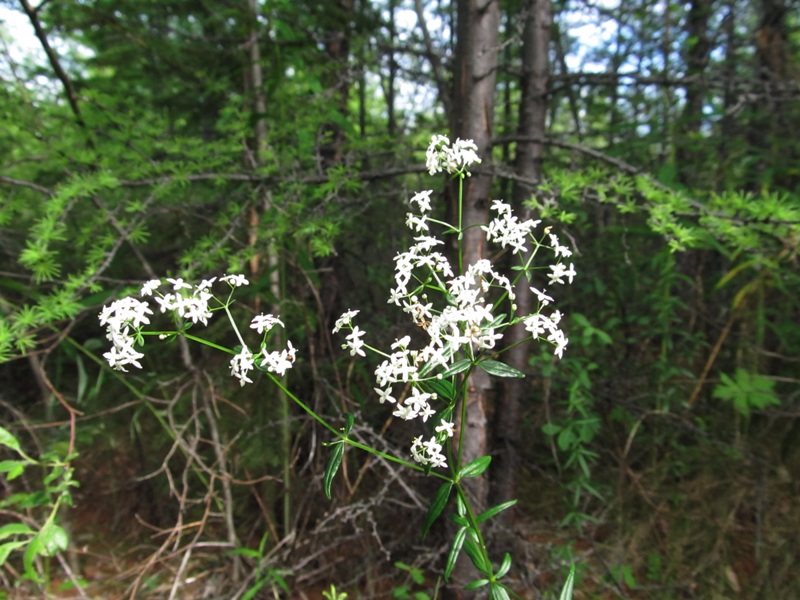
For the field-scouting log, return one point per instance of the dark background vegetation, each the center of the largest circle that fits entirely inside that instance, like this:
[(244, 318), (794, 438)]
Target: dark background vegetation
[(282, 140)]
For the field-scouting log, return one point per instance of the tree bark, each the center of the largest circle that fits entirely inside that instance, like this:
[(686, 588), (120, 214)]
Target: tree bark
[(697, 56), (528, 165), (337, 47), (478, 23)]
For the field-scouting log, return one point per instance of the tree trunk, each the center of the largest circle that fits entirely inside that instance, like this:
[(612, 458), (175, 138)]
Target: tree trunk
[(688, 153), (337, 47), (478, 24), (266, 255), (528, 164)]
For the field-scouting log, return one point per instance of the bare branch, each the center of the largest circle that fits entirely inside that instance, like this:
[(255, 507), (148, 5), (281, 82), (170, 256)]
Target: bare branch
[(27, 184), (52, 57)]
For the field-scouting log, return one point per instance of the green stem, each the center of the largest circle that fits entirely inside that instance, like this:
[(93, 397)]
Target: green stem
[(460, 223)]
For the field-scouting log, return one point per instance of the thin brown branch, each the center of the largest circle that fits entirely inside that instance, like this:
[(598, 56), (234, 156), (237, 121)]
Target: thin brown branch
[(52, 57), (27, 184)]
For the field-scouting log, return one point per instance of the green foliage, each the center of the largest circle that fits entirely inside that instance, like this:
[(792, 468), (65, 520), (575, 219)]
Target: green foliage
[(32, 539), (335, 459), (747, 391), (332, 594), (406, 591), (686, 240), (566, 592), (265, 575)]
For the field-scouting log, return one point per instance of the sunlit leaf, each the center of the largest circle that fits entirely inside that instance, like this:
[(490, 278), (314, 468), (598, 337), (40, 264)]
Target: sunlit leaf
[(499, 369), (475, 468)]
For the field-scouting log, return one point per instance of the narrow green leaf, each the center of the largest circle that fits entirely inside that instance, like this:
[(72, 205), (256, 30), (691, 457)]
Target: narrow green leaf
[(8, 440), (349, 419), (458, 542), (499, 369), (458, 367), (497, 591), (475, 468), (504, 566), (566, 592), (7, 548), (461, 508), (473, 550), (460, 520), (246, 552), (333, 466), (28, 558), (83, 380), (474, 585), (489, 513), (441, 387), (437, 506), (254, 589), (15, 529)]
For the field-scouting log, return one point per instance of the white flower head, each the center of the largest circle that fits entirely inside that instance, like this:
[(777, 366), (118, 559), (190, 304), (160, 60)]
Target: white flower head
[(446, 427), (235, 280), (417, 223), (428, 452), (123, 318), (279, 362), (262, 323), (179, 284), (422, 200), (354, 342), (149, 287), (345, 320), (559, 271), (241, 364), (441, 156)]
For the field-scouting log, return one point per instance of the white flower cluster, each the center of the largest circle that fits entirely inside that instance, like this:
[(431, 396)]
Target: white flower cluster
[(125, 317), (455, 158), (466, 325), (507, 230)]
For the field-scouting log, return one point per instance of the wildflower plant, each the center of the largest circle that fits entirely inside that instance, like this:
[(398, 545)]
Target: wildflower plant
[(462, 310)]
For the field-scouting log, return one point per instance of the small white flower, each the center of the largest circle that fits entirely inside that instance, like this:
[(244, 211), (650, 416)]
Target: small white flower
[(426, 413), (179, 284), (544, 299), (403, 343), (149, 287), (560, 340), (345, 320), (354, 342), (422, 200), (435, 153), (279, 362), (263, 323), (417, 223), (241, 364), (559, 271), (385, 395), (446, 427), (428, 452), (121, 355), (236, 280), (196, 308), (205, 284), (406, 412)]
